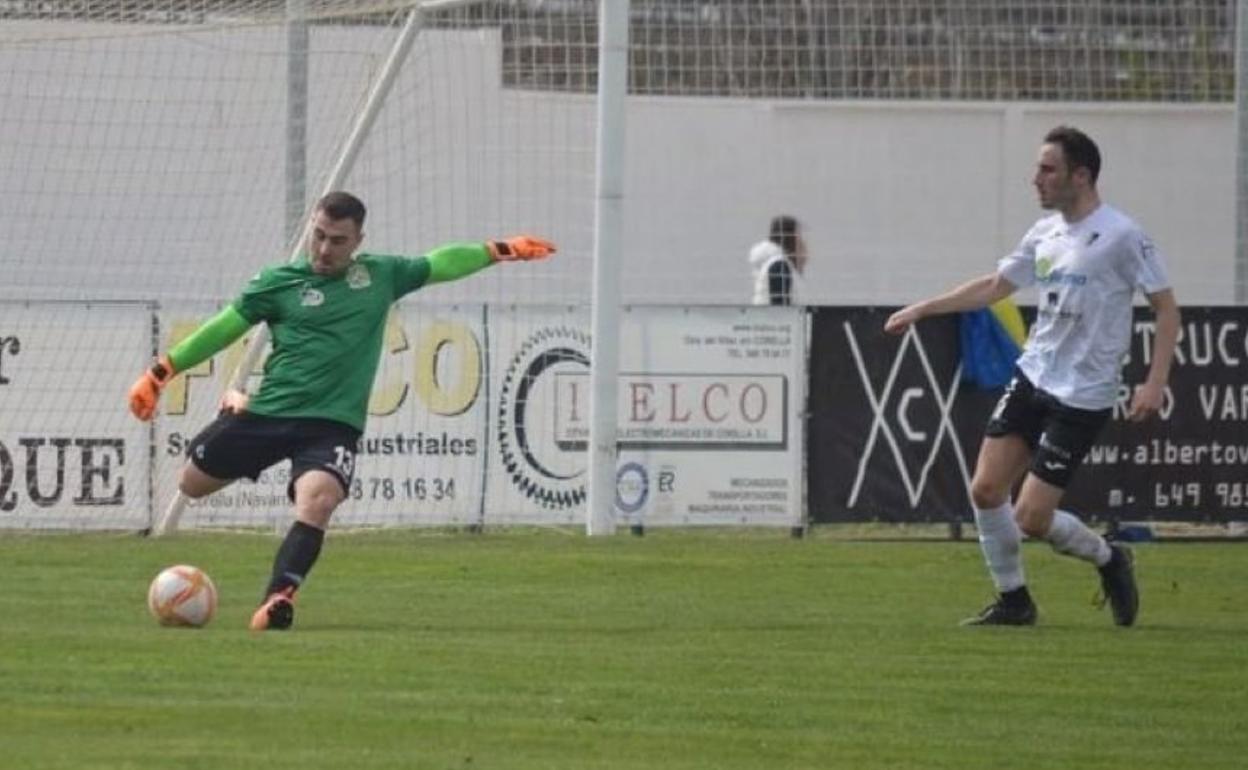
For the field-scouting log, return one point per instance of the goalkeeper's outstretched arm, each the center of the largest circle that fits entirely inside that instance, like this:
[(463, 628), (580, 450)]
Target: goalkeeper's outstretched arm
[(214, 335), (457, 260)]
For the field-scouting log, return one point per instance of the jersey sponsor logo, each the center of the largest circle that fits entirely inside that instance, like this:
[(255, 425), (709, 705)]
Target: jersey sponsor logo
[(310, 297), (1059, 276), (544, 472), (1052, 314), (358, 277), (1047, 272), (1054, 465)]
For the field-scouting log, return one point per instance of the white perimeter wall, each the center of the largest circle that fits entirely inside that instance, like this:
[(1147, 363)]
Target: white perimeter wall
[(904, 199), (899, 199)]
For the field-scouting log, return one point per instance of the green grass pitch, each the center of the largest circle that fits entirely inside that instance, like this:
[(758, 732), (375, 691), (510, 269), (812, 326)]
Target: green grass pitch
[(545, 649)]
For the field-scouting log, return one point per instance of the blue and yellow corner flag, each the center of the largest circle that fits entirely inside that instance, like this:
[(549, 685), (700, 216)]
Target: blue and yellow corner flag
[(991, 340)]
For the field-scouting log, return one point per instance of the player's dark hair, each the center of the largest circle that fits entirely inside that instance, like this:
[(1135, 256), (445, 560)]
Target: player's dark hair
[(1078, 148), (784, 233), (342, 205)]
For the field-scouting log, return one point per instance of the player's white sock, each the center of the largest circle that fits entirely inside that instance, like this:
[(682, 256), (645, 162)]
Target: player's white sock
[(1072, 537), (999, 539)]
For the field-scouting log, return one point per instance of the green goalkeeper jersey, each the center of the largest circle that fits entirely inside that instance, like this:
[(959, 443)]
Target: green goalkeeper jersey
[(327, 333)]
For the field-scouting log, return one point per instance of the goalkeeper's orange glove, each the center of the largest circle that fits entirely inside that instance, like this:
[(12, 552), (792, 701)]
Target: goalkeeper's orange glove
[(519, 247), (145, 391)]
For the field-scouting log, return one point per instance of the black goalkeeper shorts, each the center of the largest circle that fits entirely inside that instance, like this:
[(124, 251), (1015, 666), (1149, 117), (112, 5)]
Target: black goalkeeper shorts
[(238, 445)]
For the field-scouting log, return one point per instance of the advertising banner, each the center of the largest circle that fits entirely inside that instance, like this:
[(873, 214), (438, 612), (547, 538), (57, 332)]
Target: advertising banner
[(1190, 462), (479, 416), (894, 432), (709, 416), (71, 456)]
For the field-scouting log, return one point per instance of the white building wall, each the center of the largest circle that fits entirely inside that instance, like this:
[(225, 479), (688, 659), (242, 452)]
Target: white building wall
[(899, 200)]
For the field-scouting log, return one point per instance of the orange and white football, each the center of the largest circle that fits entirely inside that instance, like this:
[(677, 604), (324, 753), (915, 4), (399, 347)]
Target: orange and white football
[(182, 595)]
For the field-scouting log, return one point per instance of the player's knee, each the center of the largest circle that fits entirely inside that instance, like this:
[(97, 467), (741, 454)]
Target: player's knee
[(324, 503), (194, 484), (190, 490), (316, 510), (1033, 522), (1033, 530), (986, 494), (315, 502)]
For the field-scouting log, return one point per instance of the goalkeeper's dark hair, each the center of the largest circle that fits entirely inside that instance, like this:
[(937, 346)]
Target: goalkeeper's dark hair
[(784, 233), (342, 205), (1078, 148)]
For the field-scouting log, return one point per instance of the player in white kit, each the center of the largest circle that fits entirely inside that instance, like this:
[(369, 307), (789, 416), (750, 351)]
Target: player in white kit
[(1086, 261)]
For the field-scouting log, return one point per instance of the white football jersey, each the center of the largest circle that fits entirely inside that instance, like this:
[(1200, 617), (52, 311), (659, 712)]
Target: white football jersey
[(1086, 275)]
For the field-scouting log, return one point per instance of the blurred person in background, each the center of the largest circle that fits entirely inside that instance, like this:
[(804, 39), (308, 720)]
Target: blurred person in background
[(778, 262)]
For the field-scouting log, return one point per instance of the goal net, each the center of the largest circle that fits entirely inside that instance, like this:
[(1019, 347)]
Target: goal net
[(157, 154)]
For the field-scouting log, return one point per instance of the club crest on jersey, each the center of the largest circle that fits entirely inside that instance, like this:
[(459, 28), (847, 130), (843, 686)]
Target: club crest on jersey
[(310, 297), (358, 277)]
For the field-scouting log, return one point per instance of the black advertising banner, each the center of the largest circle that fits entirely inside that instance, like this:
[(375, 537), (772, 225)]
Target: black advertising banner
[(894, 432), (1191, 462)]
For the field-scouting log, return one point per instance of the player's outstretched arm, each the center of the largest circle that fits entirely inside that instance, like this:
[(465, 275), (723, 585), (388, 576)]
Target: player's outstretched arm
[(214, 335), (459, 260), (974, 294)]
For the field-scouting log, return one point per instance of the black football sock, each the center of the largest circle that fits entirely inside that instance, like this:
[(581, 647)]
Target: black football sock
[(295, 557)]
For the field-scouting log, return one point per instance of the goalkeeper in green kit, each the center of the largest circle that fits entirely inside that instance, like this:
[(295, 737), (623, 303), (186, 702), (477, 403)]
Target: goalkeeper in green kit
[(327, 313)]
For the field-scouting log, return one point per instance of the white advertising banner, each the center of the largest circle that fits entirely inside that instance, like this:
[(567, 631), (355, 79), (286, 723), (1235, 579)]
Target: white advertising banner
[(71, 456), (479, 416), (539, 366), (711, 416), (710, 401)]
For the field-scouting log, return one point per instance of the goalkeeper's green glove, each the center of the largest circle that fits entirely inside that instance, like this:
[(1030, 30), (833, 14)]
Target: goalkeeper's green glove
[(519, 247), (145, 391)]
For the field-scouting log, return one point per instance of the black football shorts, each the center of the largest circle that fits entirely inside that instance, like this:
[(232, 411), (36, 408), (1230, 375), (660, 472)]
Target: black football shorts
[(1059, 435), (238, 445)]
